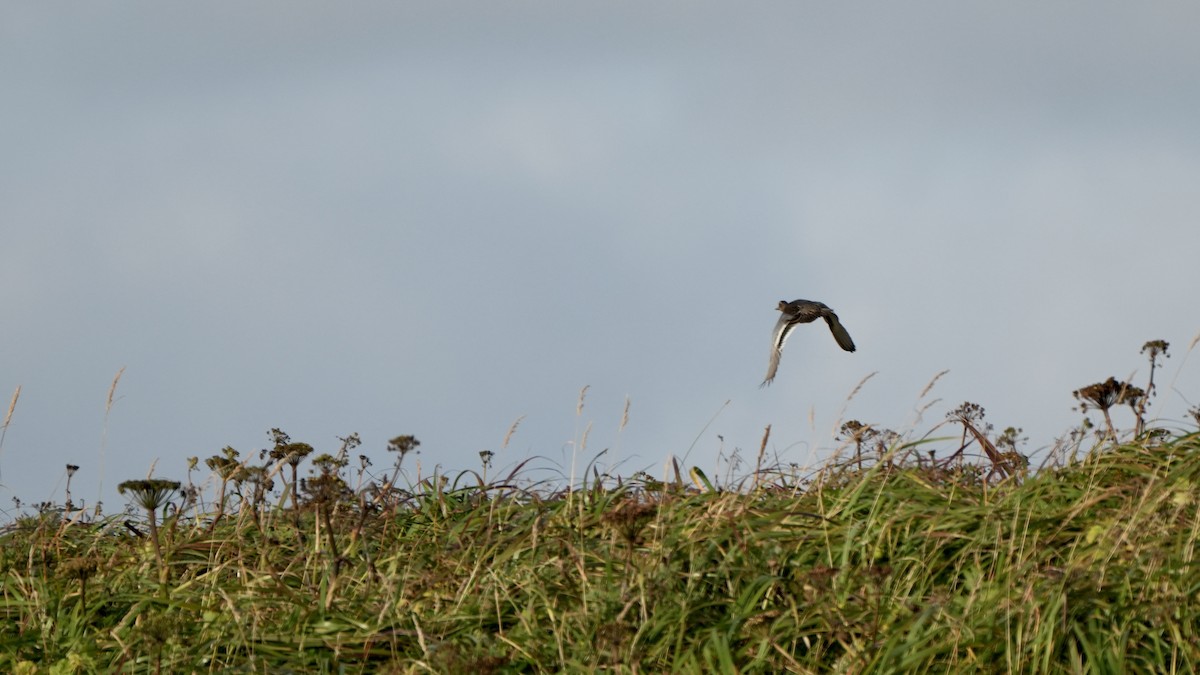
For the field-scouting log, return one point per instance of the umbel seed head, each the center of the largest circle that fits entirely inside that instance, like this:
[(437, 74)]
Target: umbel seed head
[(150, 494)]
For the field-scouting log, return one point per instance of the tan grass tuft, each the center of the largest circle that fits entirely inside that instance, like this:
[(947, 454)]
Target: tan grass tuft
[(11, 407), (859, 386), (112, 390), (511, 430), (762, 451), (854, 392), (932, 382), (921, 409), (8, 418), (586, 431), (582, 395)]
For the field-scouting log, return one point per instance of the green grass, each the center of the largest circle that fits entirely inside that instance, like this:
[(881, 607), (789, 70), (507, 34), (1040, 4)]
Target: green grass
[(901, 565), (897, 555)]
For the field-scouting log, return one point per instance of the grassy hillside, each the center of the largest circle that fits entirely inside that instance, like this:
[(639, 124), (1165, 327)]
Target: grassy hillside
[(949, 555)]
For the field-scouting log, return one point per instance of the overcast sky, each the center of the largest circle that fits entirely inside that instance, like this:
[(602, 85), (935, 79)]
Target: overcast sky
[(436, 218)]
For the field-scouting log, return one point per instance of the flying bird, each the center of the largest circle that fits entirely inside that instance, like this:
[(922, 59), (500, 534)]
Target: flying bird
[(797, 312)]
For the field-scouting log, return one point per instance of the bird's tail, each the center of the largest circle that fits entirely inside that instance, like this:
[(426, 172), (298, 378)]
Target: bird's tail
[(839, 332)]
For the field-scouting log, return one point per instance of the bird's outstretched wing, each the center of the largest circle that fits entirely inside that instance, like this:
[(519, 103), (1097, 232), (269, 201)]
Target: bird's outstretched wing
[(839, 332), (783, 328)]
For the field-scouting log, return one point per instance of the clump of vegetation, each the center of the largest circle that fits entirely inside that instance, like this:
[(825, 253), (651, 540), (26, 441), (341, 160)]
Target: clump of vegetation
[(152, 495), (897, 555)]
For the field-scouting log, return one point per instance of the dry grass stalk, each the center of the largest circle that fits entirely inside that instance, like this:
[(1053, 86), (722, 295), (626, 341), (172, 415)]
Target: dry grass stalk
[(762, 451), (846, 404), (511, 430), (582, 395), (932, 382), (11, 407), (8, 418), (112, 389)]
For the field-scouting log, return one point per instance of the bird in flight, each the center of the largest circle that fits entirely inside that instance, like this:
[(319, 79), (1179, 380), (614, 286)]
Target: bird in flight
[(797, 312)]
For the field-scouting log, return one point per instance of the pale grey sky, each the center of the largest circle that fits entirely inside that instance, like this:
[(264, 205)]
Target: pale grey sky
[(434, 218)]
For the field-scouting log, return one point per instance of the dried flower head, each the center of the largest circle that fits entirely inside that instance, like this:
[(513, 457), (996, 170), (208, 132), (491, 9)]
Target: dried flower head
[(403, 444), (968, 412), (227, 465), (856, 431), (79, 568), (1156, 347), (1106, 394), (150, 494)]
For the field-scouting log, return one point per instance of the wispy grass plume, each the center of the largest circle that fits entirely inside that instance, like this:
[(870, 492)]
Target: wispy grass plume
[(8, 417), (108, 404)]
